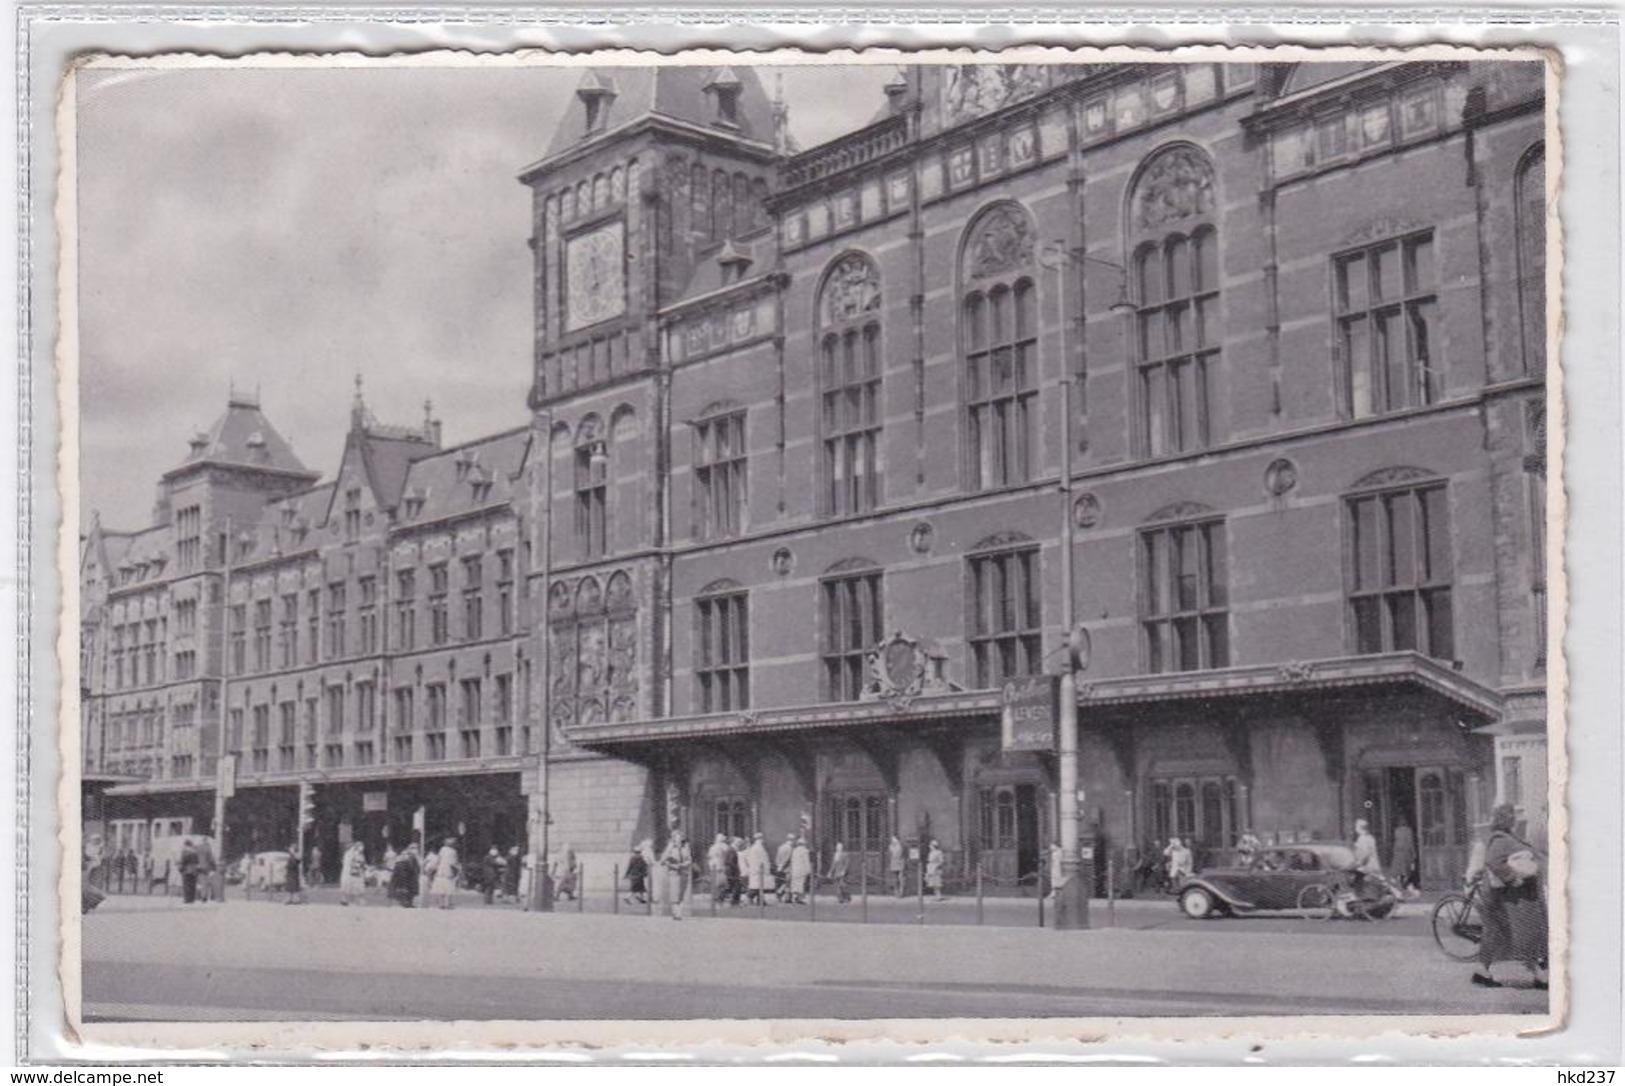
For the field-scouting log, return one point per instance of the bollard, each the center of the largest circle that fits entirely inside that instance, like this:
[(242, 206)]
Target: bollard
[(761, 903), (978, 891), (1111, 893), (864, 889), (1040, 903), (615, 890), (654, 885)]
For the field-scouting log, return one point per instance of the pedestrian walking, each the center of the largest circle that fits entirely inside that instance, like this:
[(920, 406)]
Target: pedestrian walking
[(293, 884), (781, 868), (637, 874), (403, 878), (800, 871), (353, 875), (733, 871), (511, 873), (678, 863), (934, 862), (757, 869), (491, 874), (564, 874), (1179, 864), (446, 870), (896, 865), (189, 869), (1402, 858), (1514, 908), (716, 867), (837, 873)]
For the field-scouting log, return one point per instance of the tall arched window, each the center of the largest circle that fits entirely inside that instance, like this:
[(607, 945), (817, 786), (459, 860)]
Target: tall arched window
[(591, 487), (1176, 277), (999, 337), (849, 383), (1532, 257)]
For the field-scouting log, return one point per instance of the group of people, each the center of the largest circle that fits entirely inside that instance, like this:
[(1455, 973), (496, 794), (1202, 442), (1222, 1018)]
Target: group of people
[(742, 872)]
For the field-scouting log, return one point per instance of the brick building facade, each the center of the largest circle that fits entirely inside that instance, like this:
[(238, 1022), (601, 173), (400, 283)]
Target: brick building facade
[(797, 525)]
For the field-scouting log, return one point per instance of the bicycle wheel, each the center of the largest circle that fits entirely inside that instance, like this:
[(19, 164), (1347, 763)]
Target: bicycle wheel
[(1315, 902), (1457, 927)]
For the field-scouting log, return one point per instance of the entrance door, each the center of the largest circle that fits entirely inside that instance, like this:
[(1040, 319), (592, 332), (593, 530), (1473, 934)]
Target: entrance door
[(1441, 829), (1026, 830), (1431, 799)]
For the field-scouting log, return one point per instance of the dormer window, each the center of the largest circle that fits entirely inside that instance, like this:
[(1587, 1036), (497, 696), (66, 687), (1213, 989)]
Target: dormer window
[(723, 88), (596, 92), (733, 262)]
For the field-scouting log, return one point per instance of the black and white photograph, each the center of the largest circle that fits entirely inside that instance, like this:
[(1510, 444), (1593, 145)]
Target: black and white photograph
[(1053, 535)]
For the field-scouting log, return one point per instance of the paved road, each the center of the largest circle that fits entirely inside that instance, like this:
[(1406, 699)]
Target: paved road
[(261, 960)]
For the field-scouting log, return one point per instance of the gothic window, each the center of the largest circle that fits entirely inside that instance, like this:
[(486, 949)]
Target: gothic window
[(854, 617), (722, 649), (1387, 320), (1184, 597), (741, 205), (594, 651), (849, 381), (699, 190), (999, 335), (1401, 570), (1531, 197), (591, 487), (1178, 327), (721, 204)]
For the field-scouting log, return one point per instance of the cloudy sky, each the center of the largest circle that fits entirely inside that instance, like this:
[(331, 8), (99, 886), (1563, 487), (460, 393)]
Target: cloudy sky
[(286, 229)]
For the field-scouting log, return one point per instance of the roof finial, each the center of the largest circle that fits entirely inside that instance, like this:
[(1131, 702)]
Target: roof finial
[(783, 142)]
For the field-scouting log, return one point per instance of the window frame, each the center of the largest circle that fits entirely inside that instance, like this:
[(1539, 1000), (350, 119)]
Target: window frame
[(1018, 650), (1003, 405), (1389, 593), (1162, 637), (1173, 385), (841, 596), (721, 475), (722, 650), (1421, 368)]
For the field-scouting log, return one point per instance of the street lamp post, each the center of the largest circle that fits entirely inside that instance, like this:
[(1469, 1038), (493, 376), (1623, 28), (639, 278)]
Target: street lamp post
[(541, 531), (1073, 892)]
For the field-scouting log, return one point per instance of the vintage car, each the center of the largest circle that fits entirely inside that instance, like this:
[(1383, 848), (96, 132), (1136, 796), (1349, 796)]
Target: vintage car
[(1275, 878)]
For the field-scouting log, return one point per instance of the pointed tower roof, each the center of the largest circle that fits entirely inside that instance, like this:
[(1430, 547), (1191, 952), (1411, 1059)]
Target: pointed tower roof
[(242, 437), (682, 93)]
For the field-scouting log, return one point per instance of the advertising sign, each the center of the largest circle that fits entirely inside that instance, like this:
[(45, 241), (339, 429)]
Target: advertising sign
[(1031, 713)]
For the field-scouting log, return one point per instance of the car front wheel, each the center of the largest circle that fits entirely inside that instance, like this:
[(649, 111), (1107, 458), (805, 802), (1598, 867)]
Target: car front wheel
[(1196, 903)]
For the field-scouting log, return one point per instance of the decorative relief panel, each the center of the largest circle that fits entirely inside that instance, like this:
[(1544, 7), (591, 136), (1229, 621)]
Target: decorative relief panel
[(1002, 242), (593, 648), (851, 290), (1178, 184), (974, 90), (595, 276)]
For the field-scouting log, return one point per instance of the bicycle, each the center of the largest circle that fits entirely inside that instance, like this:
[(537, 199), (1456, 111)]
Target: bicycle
[(1458, 924), (1329, 900)]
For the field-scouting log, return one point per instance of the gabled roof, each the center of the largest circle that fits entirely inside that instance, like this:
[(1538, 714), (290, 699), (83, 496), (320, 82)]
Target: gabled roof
[(243, 437), (675, 92), (445, 484), (756, 251)]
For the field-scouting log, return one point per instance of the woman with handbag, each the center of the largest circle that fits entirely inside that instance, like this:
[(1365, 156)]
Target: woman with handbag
[(1514, 908)]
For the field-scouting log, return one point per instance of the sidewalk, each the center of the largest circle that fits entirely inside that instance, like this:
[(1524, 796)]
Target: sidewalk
[(1207, 968)]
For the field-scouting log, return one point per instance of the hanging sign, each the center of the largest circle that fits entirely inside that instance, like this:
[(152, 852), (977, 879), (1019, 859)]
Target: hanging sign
[(1031, 713)]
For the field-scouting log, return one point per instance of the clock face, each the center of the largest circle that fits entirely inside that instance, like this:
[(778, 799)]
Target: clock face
[(595, 277)]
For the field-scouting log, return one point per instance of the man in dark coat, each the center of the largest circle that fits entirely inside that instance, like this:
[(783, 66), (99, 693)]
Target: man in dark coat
[(491, 874), (403, 878), (510, 874), (189, 868)]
